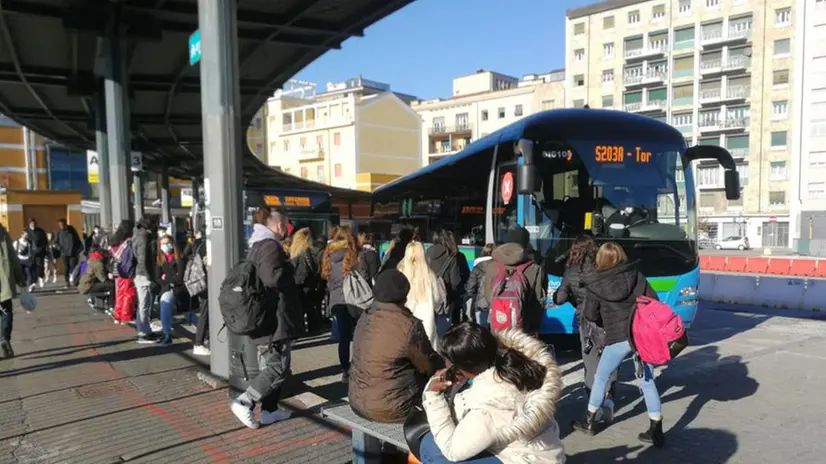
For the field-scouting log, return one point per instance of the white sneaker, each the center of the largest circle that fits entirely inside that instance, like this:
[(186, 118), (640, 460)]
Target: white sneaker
[(278, 415), (40, 283), (32, 287), (244, 413), (54, 279), (156, 326), (200, 350)]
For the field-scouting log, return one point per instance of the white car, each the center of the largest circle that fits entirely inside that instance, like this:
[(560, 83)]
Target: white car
[(733, 243)]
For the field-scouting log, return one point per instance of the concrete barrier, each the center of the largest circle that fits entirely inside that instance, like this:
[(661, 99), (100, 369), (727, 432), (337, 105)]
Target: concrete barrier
[(764, 291), (779, 292), (732, 288)]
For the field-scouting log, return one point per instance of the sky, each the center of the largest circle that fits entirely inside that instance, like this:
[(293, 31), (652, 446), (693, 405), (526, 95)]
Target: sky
[(419, 49)]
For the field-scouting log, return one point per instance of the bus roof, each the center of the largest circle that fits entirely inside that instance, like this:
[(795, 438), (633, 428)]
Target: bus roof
[(572, 123)]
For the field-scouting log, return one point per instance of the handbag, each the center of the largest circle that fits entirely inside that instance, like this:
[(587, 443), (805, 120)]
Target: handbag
[(415, 428)]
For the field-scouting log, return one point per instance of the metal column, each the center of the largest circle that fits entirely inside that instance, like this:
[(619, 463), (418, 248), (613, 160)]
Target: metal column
[(137, 181), (223, 160), (102, 148), (166, 217), (117, 127)]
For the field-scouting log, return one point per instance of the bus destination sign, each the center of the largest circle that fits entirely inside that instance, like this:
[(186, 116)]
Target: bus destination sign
[(287, 200), (616, 154)]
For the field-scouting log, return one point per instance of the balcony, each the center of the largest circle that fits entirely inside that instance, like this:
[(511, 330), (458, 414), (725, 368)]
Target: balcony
[(652, 76), (737, 92), (718, 37), (711, 96), (312, 124), (444, 130), (739, 152), (653, 49), (310, 153), (711, 66), (646, 106), (737, 63), (718, 124)]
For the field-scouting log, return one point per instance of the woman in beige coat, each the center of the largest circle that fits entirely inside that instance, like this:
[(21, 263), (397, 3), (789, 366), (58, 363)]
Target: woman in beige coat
[(507, 413)]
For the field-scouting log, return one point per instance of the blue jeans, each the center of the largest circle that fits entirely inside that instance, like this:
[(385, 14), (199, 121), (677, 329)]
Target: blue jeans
[(167, 312), (482, 318), (612, 357), (431, 454)]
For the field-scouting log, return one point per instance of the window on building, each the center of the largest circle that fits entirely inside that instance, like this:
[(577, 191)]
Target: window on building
[(579, 103), (817, 159), (684, 94), (462, 121), (684, 66), (439, 124), (607, 101), (484, 115), (517, 110), (684, 38), (777, 198), (778, 170), (634, 17), (712, 3), (337, 138), (286, 146), (501, 112), (657, 95), (782, 17), (743, 171), (579, 28), (778, 139), (780, 109), (608, 22), (302, 143), (817, 189), (608, 76), (684, 6), (319, 142), (819, 128), (608, 51), (337, 169), (657, 12), (547, 104), (579, 54), (319, 173), (782, 47), (709, 176), (579, 80), (682, 119), (780, 77), (304, 172)]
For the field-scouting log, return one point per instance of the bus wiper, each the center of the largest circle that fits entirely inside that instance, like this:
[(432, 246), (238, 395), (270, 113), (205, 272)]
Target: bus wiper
[(688, 258)]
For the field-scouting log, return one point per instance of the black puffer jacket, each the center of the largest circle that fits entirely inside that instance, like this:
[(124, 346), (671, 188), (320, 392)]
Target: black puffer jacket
[(571, 289), (143, 247), (68, 241), (448, 267), (473, 288), (612, 297)]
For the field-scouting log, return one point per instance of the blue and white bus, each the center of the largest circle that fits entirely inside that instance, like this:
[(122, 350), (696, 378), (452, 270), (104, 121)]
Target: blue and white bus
[(624, 177)]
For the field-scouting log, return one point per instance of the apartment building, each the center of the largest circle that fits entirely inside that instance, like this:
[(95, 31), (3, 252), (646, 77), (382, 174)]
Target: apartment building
[(481, 103), (257, 134), (720, 71), (809, 144), (356, 134), (23, 160)]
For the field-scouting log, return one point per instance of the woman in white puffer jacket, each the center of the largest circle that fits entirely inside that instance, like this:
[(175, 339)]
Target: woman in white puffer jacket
[(507, 412)]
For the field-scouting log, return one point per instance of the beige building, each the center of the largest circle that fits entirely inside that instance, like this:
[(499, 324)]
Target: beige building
[(257, 134), (480, 104), (719, 71), (357, 134)]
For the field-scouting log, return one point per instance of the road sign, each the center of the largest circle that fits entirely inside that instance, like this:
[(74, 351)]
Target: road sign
[(195, 47), (93, 167), (507, 187), (217, 222), (186, 197), (136, 161)]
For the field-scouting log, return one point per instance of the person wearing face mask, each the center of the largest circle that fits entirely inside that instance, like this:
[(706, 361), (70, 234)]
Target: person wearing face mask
[(170, 273), (284, 320)]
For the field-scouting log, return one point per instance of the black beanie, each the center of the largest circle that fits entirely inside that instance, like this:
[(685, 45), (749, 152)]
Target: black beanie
[(519, 235), (391, 287)]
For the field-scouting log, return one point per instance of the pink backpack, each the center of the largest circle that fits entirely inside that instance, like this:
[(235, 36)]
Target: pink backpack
[(657, 331), (510, 287)]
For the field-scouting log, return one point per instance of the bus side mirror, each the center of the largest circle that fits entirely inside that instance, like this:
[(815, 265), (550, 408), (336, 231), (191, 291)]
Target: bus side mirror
[(732, 180), (527, 179)]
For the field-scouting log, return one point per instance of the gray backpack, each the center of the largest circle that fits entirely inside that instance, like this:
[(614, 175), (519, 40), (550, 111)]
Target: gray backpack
[(195, 277), (357, 292)]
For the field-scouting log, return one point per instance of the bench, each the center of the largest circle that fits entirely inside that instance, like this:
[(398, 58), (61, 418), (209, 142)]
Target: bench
[(368, 436)]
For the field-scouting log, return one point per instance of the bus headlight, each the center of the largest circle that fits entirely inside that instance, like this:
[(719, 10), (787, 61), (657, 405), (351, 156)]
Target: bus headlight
[(688, 291), (689, 302)]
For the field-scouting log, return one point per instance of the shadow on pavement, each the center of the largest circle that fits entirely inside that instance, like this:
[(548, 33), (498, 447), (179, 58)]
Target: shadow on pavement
[(706, 446)]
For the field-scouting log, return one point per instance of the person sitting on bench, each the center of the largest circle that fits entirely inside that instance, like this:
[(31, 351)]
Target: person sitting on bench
[(392, 355), (93, 278)]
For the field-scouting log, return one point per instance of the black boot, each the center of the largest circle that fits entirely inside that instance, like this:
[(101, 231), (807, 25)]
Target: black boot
[(589, 424), (654, 434), (6, 352)]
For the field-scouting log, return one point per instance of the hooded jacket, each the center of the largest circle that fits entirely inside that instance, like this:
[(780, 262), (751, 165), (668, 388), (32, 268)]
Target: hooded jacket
[(494, 416), (446, 266), (143, 247), (285, 319), (572, 289), (612, 297), (95, 272), (68, 241), (39, 241), (392, 361), (513, 254), (473, 287)]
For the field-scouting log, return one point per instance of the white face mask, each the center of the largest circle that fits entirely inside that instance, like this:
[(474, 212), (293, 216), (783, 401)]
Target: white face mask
[(161, 233)]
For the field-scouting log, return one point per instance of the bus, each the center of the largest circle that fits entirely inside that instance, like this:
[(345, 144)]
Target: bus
[(305, 208), (624, 177)]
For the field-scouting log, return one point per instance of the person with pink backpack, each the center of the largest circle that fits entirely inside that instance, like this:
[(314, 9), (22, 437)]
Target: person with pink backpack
[(612, 294)]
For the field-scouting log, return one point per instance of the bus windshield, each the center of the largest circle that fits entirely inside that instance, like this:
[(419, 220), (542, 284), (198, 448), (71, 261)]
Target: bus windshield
[(637, 194)]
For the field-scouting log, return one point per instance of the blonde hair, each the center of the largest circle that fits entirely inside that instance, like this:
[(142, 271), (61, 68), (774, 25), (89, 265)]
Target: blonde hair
[(302, 239), (609, 256), (414, 266)]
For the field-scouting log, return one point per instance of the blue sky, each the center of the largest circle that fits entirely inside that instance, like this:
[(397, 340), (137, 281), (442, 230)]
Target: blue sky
[(419, 49)]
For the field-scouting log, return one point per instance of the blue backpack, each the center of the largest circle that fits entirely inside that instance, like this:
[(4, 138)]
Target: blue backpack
[(82, 268), (125, 261)]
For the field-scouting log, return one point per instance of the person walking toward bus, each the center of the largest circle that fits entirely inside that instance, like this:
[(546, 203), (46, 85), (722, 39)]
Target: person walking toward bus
[(581, 264), (70, 246), (427, 294), (25, 254), (450, 266), (612, 294), (369, 255), (397, 248), (340, 259), (478, 308), (40, 248), (306, 276)]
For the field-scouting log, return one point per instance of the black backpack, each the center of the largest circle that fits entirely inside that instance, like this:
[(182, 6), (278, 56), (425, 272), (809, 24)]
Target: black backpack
[(241, 299)]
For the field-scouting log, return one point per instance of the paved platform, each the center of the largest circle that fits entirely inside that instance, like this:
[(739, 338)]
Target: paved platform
[(82, 391)]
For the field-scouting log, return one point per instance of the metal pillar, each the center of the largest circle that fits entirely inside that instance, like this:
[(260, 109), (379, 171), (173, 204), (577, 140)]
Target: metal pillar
[(117, 127), (137, 181), (102, 148), (166, 217), (223, 160)]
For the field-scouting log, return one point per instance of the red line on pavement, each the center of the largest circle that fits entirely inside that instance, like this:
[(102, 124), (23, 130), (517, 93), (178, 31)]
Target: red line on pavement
[(314, 440)]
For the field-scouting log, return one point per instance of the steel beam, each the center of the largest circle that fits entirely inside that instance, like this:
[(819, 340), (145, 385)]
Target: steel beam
[(117, 111), (102, 149)]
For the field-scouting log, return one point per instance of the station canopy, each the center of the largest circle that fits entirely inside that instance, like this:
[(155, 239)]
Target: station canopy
[(51, 66)]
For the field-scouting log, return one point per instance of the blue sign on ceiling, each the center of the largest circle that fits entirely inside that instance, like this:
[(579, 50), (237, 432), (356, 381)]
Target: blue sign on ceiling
[(195, 47)]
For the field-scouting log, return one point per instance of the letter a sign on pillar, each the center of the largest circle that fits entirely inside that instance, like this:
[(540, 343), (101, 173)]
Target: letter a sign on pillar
[(136, 161)]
